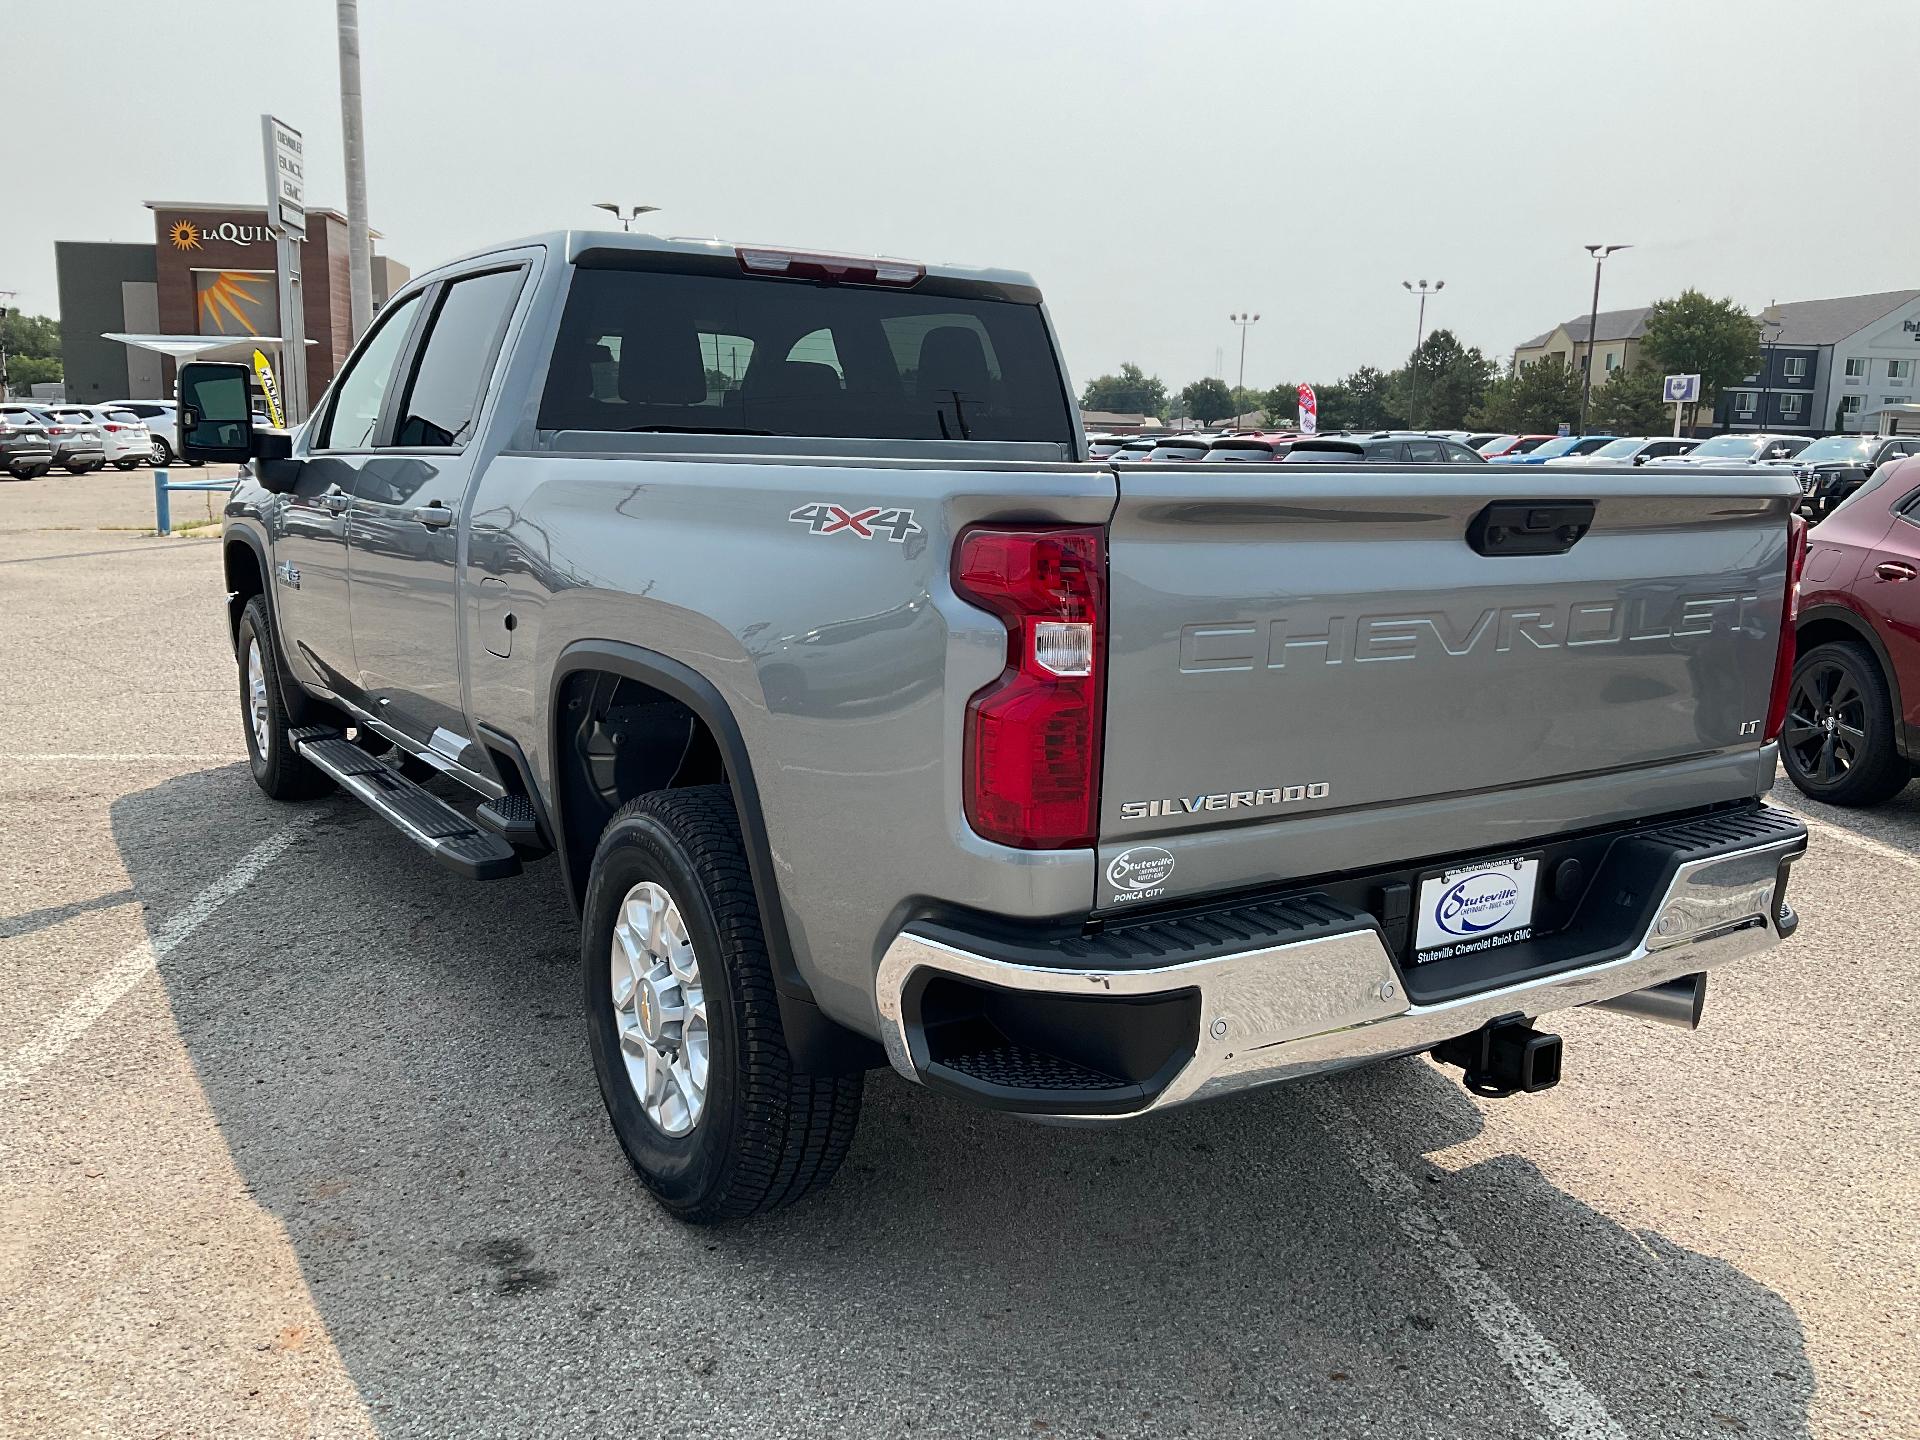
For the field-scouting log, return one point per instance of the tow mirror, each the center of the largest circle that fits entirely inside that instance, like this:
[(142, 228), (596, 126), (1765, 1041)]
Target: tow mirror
[(216, 414)]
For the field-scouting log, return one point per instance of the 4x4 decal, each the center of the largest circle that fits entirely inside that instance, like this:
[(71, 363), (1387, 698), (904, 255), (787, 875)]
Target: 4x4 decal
[(822, 517)]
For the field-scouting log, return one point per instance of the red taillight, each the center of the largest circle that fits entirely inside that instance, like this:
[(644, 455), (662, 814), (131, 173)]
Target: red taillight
[(1032, 748), (1789, 617)]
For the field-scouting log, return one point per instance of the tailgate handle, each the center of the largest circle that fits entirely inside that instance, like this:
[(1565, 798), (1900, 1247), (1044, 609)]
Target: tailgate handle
[(1530, 527)]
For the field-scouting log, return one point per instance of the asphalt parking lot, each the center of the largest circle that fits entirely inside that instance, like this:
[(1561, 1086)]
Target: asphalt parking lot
[(298, 1137)]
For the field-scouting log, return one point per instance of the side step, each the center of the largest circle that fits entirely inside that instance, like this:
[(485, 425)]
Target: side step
[(423, 817)]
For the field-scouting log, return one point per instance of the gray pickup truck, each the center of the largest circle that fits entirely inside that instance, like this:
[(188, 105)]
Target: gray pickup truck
[(869, 723)]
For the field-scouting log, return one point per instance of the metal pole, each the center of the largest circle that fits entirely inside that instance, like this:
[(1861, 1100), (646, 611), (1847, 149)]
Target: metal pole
[(293, 329), (162, 516), (1413, 362), (353, 142), (1593, 325)]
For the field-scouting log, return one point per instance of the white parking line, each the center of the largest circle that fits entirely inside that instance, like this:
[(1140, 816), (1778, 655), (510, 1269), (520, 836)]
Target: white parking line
[(127, 758), (1831, 831), (1573, 1412), (69, 1024)]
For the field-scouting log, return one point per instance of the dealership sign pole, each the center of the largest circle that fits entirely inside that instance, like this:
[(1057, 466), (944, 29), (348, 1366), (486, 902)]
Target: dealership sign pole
[(287, 218), (1680, 391)]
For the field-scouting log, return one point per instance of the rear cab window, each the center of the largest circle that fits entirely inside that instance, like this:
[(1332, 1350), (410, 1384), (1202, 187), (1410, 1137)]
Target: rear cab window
[(668, 351)]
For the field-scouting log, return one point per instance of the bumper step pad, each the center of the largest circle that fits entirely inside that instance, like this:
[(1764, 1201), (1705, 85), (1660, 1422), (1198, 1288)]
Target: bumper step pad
[(458, 843)]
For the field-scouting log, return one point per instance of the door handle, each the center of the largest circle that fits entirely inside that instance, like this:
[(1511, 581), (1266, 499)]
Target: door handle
[(434, 515), (335, 500), (1895, 570)]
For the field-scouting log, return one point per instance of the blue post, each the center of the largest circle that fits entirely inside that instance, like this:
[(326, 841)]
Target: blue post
[(162, 518)]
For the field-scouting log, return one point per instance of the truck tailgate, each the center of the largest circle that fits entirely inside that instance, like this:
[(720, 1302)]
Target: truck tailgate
[(1312, 670)]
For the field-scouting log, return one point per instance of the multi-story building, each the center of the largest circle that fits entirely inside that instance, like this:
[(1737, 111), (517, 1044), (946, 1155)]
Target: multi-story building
[(210, 272), (1616, 345), (1829, 365), (1825, 365)]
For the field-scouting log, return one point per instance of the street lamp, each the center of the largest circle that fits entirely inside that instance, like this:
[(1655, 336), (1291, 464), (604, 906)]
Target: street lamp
[(632, 214), (1599, 253), (1245, 322), (1419, 332), (1770, 319)]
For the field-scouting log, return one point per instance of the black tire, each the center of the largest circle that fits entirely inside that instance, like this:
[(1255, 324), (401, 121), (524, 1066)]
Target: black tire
[(769, 1133), (1837, 743), (162, 451), (278, 771), (125, 464)]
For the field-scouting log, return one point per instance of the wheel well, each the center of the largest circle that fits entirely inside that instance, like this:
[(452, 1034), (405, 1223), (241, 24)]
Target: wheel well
[(1826, 632), (615, 738), (244, 581)]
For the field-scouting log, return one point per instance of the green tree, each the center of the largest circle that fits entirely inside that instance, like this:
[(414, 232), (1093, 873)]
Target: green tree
[(1131, 392), (1208, 400), (26, 371), (1714, 339), (1442, 383), (1365, 400), (1532, 400), (1630, 404), (1246, 401), (32, 345), (1282, 404)]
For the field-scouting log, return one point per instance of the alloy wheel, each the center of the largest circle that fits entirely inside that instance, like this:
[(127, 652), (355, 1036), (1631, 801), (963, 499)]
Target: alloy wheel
[(1826, 729), (258, 714), (660, 1008)]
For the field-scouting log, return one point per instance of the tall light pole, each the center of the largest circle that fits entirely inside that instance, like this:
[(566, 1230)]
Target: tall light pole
[(1246, 323), (1419, 333), (633, 212), (1770, 319), (353, 141), (1599, 253)]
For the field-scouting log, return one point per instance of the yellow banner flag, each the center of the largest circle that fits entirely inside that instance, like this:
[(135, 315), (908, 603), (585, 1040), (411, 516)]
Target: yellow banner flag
[(263, 372)]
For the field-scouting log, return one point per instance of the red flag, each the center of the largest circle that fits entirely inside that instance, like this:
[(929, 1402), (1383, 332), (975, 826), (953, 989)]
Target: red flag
[(1309, 410)]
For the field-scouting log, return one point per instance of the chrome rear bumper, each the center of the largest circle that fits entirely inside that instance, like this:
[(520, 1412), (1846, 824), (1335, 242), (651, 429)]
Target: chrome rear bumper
[(1288, 1010)]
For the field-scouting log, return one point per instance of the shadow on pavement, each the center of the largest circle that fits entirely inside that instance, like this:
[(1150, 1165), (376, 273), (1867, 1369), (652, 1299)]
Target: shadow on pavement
[(396, 1062)]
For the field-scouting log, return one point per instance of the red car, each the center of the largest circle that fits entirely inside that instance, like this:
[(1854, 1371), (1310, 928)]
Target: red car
[(1852, 733), (1514, 444)]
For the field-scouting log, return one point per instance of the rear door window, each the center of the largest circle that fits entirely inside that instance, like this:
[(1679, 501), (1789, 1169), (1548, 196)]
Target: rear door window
[(666, 351), (1426, 452), (449, 381)]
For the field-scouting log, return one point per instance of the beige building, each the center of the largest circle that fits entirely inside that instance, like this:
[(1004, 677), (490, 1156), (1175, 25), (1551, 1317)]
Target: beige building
[(1616, 346)]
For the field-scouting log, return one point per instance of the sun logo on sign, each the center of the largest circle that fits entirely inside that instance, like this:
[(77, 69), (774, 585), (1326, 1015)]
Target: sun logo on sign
[(185, 235)]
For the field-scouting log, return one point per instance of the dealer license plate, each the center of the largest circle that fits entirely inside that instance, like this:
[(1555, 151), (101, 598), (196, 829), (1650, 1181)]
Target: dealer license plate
[(1476, 907)]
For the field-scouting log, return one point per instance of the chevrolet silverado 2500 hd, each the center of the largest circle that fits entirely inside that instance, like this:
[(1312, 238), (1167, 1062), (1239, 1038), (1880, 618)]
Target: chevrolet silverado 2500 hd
[(867, 722)]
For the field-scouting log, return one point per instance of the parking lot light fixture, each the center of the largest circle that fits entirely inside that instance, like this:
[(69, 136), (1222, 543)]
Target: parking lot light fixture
[(1419, 334), (1245, 322), (631, 214), (1599, 253)]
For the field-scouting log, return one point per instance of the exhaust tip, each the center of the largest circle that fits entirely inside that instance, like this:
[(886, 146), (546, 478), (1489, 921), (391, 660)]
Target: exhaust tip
[(1679, 1003)]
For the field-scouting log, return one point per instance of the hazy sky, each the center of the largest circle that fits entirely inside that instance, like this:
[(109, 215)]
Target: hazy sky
[(1155, 166)]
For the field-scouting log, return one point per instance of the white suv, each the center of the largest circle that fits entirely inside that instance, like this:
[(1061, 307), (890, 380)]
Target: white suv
[(161, 419)]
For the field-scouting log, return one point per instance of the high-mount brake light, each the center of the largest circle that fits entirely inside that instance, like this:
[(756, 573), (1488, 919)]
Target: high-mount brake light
[(1032, 746), (837, 269), (1789, 617)]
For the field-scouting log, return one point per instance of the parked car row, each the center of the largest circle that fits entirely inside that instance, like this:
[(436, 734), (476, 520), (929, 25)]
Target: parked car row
[(37, 436), (1268, 447)]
